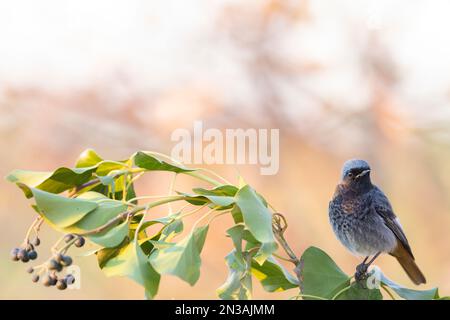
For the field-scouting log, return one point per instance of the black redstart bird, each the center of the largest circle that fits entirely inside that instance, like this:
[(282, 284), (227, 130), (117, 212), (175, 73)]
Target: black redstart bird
[(363, 220)]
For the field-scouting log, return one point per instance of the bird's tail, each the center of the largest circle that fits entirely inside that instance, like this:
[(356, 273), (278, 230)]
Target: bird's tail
[(409, 265)]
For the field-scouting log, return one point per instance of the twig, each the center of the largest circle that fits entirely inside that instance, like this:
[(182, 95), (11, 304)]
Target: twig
[(279, 226), (83, 186), (128, 214), (388, 292), (307, 296)]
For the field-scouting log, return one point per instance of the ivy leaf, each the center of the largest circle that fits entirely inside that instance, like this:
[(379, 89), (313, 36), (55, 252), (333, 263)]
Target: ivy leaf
[(132, 262), (183, 258), (106, 210), (409, 294), (358, 292), (321, 276), (237, 214), (172, 229), (106, 254), (113, 237), (54, 182), (224, 202), (258, 220), (236, 233), (88, 158), (60, 211), (148, 162), (225, 190), (238, 285), (64, 178), (273, 276)]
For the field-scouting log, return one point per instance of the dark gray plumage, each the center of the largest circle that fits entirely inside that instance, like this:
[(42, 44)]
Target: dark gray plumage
[(364, 221)]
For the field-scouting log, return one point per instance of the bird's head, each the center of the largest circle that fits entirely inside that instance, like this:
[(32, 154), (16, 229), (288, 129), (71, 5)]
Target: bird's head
[(356, 174)]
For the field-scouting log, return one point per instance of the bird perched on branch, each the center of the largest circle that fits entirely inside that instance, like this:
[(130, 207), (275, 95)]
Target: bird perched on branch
[(363, 220)]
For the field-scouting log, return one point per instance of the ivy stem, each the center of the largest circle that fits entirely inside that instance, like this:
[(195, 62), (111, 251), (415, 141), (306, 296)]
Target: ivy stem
[(184, 215), (79, 188), (203, 217), (38, 225), (53, 249), (281, 257), (171, 188), (279, 227), (127, 214), (308, 296), (204, 178), (388, 291), (125, 188), (64, 249), (215, 174), (218, 215), (26, 241), (146, 197)]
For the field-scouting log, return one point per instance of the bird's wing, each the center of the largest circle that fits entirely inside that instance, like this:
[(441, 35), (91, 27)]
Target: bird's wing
[(383, 208)]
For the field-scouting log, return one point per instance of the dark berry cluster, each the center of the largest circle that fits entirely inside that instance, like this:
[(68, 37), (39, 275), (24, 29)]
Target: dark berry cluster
[(25, 252), (51, 280), (56, 264), (47, 272)]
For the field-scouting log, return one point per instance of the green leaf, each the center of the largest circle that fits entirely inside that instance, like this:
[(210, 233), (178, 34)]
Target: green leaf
[(225, 190), (258, 220), (111, 238), (148, 162), (132, 262), (358, 292), (88, 158), (182, 259), (238, 285), (106, 254), (106, 210), (60, 211), (237, 215), (222, 196), (221, 201), (65, 178), (54, 182), (321, 276), (30, 178), (236, 234), (172, 229), (410, 294), (273, 276), (165, 221), (160, 245)]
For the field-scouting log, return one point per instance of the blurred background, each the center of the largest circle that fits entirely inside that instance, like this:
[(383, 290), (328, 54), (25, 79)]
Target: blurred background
[(345, 79)]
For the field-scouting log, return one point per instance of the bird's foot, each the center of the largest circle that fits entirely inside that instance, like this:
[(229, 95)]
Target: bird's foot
[(361, 272)]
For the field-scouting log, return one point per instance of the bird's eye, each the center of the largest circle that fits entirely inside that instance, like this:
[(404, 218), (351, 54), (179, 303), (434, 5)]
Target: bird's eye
[(350, 174)]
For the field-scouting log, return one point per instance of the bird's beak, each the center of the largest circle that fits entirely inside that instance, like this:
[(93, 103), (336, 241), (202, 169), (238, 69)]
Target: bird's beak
[(362, 174)]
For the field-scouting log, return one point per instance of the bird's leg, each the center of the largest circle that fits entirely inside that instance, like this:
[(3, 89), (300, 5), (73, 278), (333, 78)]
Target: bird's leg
[(373, 259), (365, 259), (361, 269)]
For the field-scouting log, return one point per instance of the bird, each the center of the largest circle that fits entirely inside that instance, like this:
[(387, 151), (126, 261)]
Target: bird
[(363, 220)]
